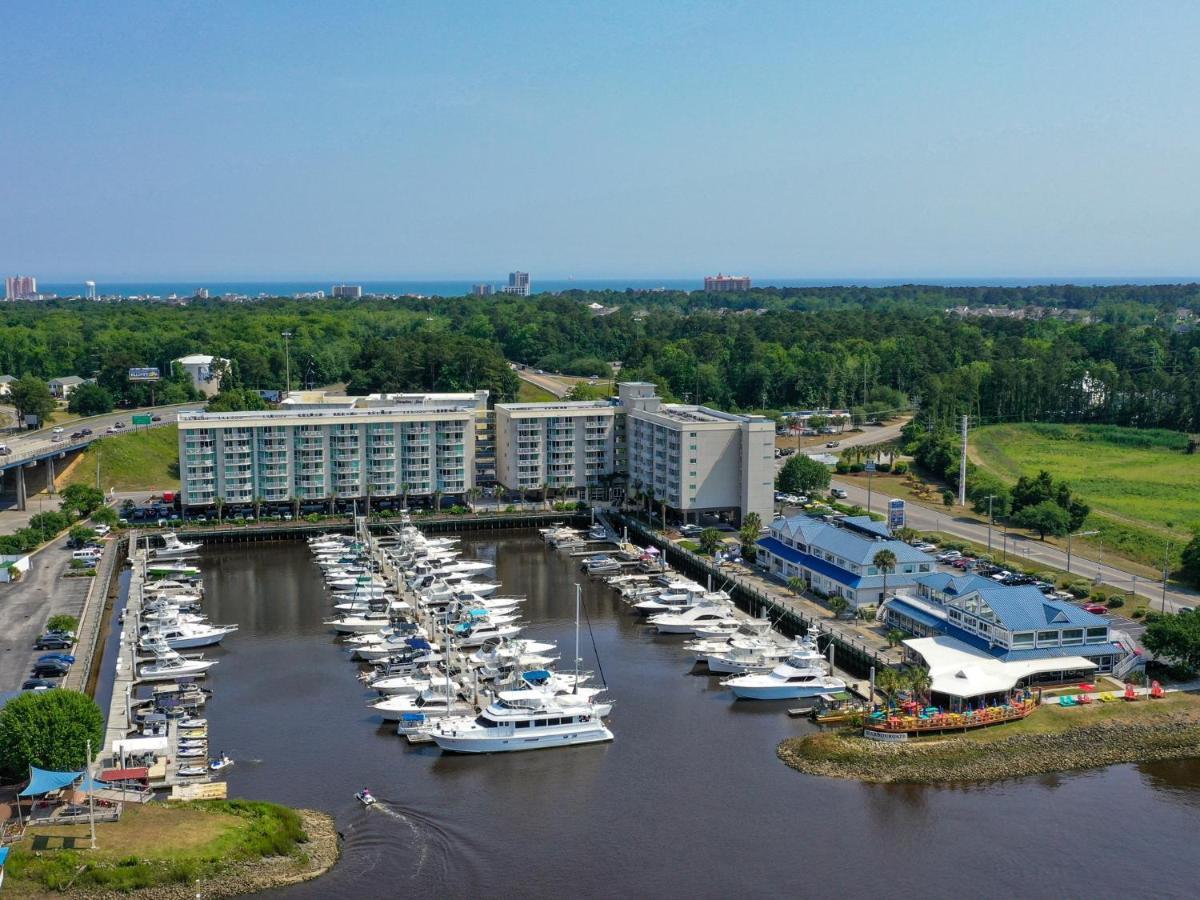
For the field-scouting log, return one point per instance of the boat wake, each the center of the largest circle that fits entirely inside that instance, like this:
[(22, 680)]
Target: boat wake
[(426, 838)]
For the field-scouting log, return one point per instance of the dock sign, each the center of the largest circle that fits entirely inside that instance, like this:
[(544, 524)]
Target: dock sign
[(895, 513)]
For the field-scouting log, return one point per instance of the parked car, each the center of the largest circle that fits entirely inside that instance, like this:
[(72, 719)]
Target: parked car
[(839, 493), (787, 451), (38, 684), (61, 657), (947, 555), (963, 562), (102, 530), (1095, 608), (51, 669), (924, 547), (52, 642), (831, 444)]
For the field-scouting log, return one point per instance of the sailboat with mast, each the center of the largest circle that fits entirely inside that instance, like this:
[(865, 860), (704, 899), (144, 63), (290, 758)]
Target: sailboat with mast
[(531, 718)]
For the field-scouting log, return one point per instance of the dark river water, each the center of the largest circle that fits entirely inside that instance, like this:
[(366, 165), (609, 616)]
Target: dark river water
[(688, 801)]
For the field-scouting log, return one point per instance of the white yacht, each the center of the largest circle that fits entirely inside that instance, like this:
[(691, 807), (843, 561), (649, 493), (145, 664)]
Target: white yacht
[(686, 622), (432, 701), (359, 623), (790, 680), (174, 548), (183, 635), (168, 664), (523, 720), (172, 570)]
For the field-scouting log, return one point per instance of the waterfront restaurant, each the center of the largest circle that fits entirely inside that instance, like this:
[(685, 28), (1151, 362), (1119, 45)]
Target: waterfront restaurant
[(981, 639)]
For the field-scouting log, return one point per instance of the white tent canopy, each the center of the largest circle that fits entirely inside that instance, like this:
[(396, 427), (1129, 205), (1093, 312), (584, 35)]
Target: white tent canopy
[(139, 745), (960, 670)]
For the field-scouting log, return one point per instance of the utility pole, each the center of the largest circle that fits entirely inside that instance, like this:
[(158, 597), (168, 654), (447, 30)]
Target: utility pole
[(91, 795), (287, 362), (1166, 553), (991, 497), (1075, 535), (962, 466)]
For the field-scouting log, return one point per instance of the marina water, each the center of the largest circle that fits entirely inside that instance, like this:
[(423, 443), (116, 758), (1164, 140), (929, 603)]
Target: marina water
[(689, 800)]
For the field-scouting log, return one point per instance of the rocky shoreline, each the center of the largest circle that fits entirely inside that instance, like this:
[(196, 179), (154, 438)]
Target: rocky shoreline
[(959, 759), (317, 856)]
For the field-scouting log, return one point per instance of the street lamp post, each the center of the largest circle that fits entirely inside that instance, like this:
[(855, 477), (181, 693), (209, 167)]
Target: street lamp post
[(1166, 553), (287, 362), (1075, 535)]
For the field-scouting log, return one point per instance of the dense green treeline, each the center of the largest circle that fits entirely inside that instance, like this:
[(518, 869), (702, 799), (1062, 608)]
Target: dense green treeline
[(781, 349)]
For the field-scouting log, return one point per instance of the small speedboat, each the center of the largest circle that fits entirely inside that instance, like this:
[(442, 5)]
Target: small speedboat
[(192, 771), (220, 763), (365, 797), (193, 723), (193, 753)]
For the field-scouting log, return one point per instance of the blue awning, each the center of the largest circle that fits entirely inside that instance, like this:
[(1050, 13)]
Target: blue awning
[(3, 855), (915, 613), (42, 781)]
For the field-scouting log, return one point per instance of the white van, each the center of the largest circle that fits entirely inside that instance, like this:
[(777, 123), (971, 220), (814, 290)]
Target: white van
[(57, 434), (88, 555)]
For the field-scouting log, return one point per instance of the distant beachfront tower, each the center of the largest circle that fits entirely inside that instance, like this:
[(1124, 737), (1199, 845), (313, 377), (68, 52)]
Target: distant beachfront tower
[(89, 288), (721, 283), (348, 291), (482, 290), (518, 283)]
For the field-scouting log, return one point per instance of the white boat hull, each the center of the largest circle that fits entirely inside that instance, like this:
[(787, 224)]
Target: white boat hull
[(508, 740)]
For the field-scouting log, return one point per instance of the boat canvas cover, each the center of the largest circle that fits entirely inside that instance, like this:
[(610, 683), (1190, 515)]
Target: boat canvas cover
[(419, 644), (43, 781), (134, 774)]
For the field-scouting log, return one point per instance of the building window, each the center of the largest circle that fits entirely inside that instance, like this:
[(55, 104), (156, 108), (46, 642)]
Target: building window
[(1097, 634), (1022, 639), (1072, 636), (1047, 637)]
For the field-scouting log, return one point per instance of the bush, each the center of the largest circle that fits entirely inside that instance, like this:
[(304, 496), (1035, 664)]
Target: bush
[(900, 467), (1115, 602), (1078, 589), (62, 623), (883, 467), (1138, 614)]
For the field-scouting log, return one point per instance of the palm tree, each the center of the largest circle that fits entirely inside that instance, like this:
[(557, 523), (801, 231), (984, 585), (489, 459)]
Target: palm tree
[(894, 637), (796, 585), (920, 681), (884, 560), (220, 508), (257, 507), (887, 681), (750, 530), (404, 492), (710, 539), (838, 605)]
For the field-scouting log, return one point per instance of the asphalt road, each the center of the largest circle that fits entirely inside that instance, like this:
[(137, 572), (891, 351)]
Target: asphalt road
[(30, 443), (26, 606)]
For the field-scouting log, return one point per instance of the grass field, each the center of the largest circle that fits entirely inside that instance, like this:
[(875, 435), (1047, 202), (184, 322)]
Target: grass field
[(140, 461), (1143, 489), (154, 845), (531, 393)]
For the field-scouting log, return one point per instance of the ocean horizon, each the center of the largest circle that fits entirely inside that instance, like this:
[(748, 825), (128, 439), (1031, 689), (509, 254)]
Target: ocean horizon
[(460, 287)]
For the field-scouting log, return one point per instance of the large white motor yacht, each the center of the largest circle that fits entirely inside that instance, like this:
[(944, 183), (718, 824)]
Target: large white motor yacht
[(789, 681), (523, 720)]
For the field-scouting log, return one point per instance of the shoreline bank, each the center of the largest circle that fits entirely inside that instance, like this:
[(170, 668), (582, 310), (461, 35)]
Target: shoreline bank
[(848, 755)]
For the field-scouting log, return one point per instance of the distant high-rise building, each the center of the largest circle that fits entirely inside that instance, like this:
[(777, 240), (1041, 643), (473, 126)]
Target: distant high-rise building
[(518, 283), (720, 283), (347, 291), (201, 294), (482, 290), (89, 288), (20, 287)]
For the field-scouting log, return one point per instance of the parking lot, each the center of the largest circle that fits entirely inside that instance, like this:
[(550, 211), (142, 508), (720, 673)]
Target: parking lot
[(26, 606)]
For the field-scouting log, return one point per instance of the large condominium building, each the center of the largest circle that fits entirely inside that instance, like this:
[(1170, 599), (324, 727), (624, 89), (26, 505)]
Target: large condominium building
[(20, 287), (721, 283), (569, 445), (347, 291), (518, 283), (328, 448), (696, 459)]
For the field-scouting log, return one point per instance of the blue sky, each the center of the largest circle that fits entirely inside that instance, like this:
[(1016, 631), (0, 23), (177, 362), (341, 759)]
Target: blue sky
[(425, 140)]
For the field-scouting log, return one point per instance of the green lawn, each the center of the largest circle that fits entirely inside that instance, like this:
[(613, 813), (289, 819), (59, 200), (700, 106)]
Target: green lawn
[(147, 459), (1143, 489), (531, 393)]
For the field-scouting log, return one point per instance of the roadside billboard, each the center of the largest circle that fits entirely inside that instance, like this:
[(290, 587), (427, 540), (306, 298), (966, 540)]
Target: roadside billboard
[(895, 514), (146, 373)]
